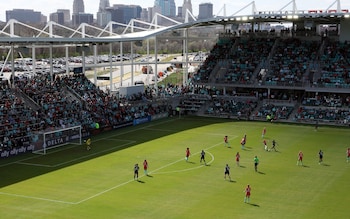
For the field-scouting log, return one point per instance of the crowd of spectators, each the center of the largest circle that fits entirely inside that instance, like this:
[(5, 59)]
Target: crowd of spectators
[(64, 101), (325, 115), (335, 65), (220, 52), (243, 60), (17, 120), (274, 111), (325, 108), (290, 61), (232, 107)]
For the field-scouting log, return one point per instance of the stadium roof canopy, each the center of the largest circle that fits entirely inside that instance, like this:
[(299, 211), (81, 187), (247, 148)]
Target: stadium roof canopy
[(135, 32)]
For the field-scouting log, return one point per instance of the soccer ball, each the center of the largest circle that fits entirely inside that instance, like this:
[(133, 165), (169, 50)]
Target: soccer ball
[(84, 141)]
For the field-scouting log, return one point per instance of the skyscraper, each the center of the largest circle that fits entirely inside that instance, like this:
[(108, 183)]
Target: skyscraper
[(103, 5), (78, 6), (205, 11), (187, 5), (103, 15), (166, 7), (66, 13)]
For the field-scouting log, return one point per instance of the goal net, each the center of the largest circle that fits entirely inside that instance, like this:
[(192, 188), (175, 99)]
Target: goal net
[(45, 141)]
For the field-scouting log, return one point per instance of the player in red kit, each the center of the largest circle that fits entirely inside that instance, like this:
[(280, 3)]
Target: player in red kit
[(226, 141), (188, 153), (300, 158), (145, 167), (263, 133), (265, 145), (247, 194), (238, 157), (348, 155)]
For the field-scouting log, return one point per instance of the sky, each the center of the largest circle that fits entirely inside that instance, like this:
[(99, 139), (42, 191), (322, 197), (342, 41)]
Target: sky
[(232, 6)]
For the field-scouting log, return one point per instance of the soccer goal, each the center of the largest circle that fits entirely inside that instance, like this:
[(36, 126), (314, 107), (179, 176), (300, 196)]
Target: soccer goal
[(45, 141)]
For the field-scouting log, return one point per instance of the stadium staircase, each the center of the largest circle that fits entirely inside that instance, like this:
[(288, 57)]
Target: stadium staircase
[(29, 101)]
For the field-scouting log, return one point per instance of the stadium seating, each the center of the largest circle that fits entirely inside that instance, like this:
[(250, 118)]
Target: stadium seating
[(267, 68)]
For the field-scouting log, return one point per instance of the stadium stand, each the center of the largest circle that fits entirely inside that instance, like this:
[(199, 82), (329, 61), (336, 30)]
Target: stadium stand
[(245, 76)]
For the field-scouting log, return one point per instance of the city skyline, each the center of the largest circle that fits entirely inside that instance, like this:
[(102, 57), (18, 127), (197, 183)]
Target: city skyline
[(92, 6)]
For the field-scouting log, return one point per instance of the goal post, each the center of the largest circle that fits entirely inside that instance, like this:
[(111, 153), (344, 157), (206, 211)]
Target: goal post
[(47, 140)]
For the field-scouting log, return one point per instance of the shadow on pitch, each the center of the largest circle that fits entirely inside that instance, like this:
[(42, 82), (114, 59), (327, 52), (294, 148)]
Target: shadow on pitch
[(232, 181), (326, 165), (252, 204), (149, 175), (191, 162), (261, 173), (241, 166), (140, 181)]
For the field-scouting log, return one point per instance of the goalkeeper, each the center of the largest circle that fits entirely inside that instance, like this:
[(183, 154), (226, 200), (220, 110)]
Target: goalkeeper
[(88, 144)]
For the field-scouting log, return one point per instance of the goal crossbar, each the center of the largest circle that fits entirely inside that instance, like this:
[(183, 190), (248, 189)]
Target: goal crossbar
[(56, 138)]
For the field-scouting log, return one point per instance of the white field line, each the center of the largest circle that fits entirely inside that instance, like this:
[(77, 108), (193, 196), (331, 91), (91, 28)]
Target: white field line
[(72, 160), (188, 169), (37, 198)]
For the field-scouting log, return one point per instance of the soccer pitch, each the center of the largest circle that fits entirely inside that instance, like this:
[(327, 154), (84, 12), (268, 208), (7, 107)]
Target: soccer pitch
[(71, 182)]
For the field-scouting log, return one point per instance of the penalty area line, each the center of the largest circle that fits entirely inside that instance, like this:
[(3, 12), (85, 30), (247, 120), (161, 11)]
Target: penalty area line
[(36, 198)]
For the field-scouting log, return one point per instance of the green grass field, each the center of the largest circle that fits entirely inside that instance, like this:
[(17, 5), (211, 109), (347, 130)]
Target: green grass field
[(71, 182)]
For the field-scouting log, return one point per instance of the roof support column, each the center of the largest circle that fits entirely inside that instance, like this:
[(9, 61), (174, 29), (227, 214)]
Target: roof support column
[(156, 65), (67, 57), (121, 65), (132, 62), (148, 68), (51, 63), (110, 67), (95, 63), (12, 65), (185, 56), (33, 58)]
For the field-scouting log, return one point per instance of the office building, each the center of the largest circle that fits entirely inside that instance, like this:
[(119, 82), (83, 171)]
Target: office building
[(28, 16), (186, 6), (66, 15), (166, 7), (80, 18), (103, 15), (205, 11), (124, 13), (78, 6), (57, 17)]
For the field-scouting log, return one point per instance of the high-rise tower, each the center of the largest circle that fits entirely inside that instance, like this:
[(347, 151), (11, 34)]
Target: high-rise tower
[(103, 15), (187, 5), (205, 11), (166, 7), (103, 5), (78, 6)]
